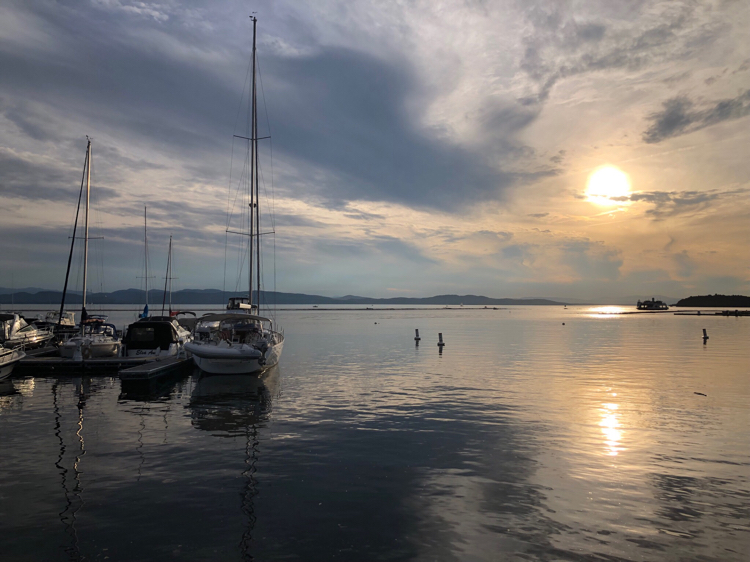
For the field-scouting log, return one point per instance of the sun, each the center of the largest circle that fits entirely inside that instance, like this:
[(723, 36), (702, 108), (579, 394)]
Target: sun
[(608, 185)]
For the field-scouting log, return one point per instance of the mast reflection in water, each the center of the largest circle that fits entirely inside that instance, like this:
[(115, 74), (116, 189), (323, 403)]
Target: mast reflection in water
[(231, 406)]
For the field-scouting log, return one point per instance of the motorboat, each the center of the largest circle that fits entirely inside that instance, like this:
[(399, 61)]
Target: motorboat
[(155, 336), (62, 326), (15, 331), (8, 360), (96, 337), (241, 341), (235, 343), (653, 304), (53, 318)]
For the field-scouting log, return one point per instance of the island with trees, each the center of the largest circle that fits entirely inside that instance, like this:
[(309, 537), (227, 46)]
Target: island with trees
[(718, 301)]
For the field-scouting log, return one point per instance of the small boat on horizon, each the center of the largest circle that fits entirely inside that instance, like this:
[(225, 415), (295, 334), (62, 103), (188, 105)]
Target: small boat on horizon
[(652, 304)]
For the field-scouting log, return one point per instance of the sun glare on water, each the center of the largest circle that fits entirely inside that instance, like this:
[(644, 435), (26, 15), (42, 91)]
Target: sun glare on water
[(608, 186)]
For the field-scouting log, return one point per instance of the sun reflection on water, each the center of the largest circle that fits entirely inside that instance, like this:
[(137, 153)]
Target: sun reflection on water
[(597, 310), (610, 424)]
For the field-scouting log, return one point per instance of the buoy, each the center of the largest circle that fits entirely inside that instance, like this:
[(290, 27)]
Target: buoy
[(440, 340), (417, 338), (563, 323), (705, 336)]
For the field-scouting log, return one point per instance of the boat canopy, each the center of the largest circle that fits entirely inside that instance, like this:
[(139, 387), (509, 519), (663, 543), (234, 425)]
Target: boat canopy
[(232, 316), (150, 335)]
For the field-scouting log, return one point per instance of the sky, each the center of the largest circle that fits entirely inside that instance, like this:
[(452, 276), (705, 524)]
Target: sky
[(513, 148)]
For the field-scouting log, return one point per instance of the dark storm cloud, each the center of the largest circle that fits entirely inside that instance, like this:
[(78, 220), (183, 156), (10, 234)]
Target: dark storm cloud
[(40, 180), (679, 116), (131, 90), (336, 109), (346, 111)]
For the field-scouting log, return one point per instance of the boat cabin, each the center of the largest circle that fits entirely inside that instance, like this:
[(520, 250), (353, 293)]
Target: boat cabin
[(97, 325), (147, 335), (652, 304), (240, 303), (232, 328)]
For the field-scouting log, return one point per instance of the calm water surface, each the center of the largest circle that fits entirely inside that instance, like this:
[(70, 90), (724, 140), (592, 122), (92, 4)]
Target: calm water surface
[(526, 439)]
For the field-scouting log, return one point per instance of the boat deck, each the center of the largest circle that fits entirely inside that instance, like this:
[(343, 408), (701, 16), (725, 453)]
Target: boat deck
[(154, 369)]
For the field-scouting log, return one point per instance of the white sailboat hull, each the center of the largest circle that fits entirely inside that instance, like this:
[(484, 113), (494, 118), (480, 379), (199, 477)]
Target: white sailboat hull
[(233, 360)]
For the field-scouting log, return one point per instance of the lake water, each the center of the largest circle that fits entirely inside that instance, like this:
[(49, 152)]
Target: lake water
[(526, 439)]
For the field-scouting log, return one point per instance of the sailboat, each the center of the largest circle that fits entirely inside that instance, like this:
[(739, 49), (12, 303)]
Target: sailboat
[(96, 338), (157, 336), (241, 341)]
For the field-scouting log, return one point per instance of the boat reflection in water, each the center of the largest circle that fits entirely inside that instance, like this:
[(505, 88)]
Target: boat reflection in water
[(232, 406)]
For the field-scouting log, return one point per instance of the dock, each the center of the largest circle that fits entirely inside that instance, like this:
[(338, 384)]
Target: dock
[(45, 364), (154, 369), (47, 361)]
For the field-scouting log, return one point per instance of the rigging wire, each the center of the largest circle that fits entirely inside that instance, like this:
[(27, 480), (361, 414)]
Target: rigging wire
[(273, 191), (229, 186)]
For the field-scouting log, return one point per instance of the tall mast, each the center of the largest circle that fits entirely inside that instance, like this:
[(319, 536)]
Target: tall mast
[(170, 275), (257, 172), (73, 240), (253, 159), (168, 280), (86, 228), (145, 251)]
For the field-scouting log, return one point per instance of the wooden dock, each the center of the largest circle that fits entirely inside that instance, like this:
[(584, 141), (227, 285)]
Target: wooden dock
[(46, 364), (154, 369)]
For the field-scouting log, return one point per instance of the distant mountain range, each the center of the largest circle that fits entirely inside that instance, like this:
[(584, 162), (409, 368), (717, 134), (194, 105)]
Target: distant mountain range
[(216, 297)]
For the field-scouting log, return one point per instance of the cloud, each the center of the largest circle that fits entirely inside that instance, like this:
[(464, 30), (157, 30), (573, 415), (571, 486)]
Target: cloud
[(677, 116), (685, 265), (672, 203), (31, 177), (564, 42), (351, 118), (538, 215), (559, 157), (591, 260)]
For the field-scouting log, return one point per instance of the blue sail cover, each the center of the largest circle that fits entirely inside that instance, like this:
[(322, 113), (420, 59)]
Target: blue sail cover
[(144, 314)]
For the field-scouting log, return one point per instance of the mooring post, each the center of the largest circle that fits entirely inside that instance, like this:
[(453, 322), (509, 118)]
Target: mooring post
[(705, 336), (417, 338), (440, 340)]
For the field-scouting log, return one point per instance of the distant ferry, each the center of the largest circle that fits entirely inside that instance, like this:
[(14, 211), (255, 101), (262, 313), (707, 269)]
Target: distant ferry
[(652, 305)]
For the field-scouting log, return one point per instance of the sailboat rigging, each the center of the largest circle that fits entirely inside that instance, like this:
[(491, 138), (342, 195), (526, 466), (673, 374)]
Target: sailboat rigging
[(241, 341), (96, 337)]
